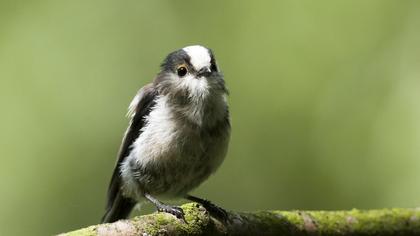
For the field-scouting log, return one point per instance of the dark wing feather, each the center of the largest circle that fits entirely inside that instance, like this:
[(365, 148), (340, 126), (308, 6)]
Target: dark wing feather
[(146, 100)]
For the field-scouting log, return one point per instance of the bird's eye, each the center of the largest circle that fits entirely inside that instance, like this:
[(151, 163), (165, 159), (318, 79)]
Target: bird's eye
[(181, 71)]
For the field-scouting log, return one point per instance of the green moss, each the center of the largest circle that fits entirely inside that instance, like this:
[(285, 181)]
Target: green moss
[(385, 220), (198, 222), (293, 217), (370, 222), (196, 219), (155, 223)]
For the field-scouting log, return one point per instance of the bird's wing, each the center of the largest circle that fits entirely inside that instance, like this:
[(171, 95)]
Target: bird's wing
[(139, 108)]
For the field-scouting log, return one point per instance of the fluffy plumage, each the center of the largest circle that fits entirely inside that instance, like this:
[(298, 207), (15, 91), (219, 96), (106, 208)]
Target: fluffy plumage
[(177, 137)]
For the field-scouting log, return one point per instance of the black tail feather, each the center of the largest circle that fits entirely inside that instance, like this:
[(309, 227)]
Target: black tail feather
[(120, 209)]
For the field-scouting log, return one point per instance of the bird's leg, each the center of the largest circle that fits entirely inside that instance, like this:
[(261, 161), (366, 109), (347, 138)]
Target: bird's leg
[(161, 207), (210, 207)]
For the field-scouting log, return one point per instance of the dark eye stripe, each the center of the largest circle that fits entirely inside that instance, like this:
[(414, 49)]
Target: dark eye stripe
[(174, 59), (213, 66)]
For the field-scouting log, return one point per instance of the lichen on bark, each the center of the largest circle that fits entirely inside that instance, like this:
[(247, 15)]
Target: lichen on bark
[(199, 222)]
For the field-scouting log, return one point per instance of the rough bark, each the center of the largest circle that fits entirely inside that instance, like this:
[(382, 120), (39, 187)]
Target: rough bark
[(199, 222)]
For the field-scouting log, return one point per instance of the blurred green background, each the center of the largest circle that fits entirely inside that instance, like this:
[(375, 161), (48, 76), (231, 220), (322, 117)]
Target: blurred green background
[(324, 102)]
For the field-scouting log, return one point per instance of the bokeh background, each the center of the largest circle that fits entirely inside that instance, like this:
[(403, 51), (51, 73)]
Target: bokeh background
[(324, 102)]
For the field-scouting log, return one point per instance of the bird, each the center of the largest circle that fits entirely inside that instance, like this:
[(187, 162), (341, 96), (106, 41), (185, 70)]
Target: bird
[(178, 135)]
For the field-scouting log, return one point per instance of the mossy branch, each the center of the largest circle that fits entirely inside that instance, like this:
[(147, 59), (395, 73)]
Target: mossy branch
[(199, 222)]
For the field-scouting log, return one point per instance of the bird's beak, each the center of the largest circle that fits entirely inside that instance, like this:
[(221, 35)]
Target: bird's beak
[(205, 71)]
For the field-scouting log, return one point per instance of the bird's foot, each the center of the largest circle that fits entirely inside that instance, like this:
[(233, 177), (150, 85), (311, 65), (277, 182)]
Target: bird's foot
[(161, 207), (174, 210), (213, 209)]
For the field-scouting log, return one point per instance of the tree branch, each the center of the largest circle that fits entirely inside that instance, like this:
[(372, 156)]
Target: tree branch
[(353, 222)]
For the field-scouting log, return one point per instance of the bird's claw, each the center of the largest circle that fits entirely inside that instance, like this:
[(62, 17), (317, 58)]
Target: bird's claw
[(174, 210), (215, 210)]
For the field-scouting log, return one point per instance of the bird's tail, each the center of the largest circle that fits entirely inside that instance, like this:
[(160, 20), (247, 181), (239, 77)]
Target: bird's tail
[(119, 209)]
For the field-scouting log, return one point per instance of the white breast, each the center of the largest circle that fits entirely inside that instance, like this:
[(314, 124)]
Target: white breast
[(158, 137), (173, 155)]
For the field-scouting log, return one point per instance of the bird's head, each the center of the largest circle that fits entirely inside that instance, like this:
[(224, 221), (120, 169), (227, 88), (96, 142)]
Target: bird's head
[(191, 73)]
